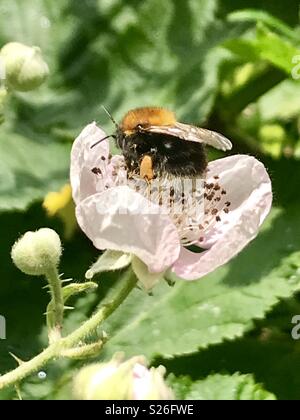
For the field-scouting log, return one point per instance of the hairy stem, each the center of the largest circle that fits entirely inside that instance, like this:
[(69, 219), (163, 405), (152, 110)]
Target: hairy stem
[(55, 312), (116, 296)]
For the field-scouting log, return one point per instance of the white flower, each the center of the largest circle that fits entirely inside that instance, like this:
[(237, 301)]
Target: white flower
[(117, 213)]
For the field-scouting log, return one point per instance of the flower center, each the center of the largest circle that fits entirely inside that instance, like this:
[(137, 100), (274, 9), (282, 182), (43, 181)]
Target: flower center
[(195, 205)]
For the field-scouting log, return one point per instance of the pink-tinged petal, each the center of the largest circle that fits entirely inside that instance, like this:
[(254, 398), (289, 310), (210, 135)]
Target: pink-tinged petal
[(84, 159), (123, 220), (247, 185), (142, 382), (248, 189)]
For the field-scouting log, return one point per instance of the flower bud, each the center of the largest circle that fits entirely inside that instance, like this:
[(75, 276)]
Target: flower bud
[(117, 380), (36, 253), (25, 68)]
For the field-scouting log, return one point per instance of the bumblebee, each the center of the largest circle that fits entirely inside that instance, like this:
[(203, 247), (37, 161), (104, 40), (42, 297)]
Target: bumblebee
[(155, 144)]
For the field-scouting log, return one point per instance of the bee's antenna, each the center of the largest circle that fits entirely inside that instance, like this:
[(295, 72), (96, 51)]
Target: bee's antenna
[(111, 135), (101, 140), (110, 116)]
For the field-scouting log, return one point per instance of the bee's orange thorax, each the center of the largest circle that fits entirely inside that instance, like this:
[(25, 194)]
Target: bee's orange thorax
[(146, 116)]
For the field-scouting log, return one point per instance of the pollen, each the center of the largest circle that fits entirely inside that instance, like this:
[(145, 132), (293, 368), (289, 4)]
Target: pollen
[(146, 171), (147, 116)]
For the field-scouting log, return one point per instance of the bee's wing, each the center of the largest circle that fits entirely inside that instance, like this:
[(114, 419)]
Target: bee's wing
[(192, 133)]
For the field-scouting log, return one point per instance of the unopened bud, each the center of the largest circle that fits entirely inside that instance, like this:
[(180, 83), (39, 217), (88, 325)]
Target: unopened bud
[(36, 253), (117, 380), (25, 68)]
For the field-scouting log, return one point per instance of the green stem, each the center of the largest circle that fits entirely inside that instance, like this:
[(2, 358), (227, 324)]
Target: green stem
[(55, 312), (118, 294)]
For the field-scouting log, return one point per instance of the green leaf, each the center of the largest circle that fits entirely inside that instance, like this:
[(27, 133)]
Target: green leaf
[(128, 52), (246, 49), (280, 103), (253, 15), (129, 56), (266, 46), (29, 169), (269, 353), (223, 387), (275, 49), (219, 307), (32, 164), (39, 23)]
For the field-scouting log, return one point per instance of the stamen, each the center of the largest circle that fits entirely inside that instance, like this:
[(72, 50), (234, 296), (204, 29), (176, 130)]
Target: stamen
[(195, 206)]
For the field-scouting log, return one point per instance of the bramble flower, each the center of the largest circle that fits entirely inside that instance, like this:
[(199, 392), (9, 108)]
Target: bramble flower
[(157, 221), (25, 68), (121, 380)]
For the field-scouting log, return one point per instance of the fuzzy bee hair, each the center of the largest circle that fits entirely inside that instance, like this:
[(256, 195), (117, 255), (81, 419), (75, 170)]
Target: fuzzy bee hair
[(146, 117), (153, 135)]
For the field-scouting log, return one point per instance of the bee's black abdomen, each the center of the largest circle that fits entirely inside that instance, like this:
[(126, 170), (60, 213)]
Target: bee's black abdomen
[(170, 155), (185, 159)]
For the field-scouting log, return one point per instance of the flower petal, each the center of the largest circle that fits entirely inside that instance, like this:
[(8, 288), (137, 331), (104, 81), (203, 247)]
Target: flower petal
[(84, 159), (248, 189), (122, 219)]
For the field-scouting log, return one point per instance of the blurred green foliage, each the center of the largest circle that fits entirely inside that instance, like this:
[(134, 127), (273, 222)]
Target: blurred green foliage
[(226, 65)]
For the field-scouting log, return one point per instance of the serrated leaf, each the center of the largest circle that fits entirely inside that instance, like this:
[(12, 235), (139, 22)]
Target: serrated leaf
[(109, 41), (130, 54), (93, 60), (29, 169), (223, 387), (219, 307), (268, 46)]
